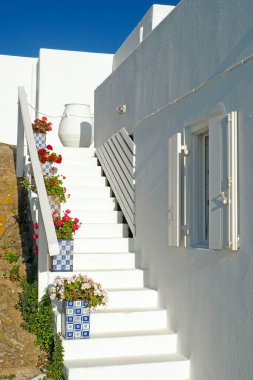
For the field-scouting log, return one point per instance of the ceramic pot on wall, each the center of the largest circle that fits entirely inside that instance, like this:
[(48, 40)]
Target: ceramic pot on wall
[(76, 126)]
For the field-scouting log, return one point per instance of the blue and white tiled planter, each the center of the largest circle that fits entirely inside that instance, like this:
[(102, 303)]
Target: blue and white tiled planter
[(55, 204), (75, 320), (40, 139), (64, 261), (47, 169)]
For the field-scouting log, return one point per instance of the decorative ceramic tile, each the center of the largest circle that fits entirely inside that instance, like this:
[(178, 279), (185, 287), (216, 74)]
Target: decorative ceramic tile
[(55, 204), (75, 320), (47, 169), (64, 261), (40, 139)]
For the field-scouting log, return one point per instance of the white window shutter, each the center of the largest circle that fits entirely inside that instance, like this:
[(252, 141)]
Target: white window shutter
[(223, 182), (233, 236), (174, 188)]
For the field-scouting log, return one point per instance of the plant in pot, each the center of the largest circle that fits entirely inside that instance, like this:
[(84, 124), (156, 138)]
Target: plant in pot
[(56, 192), (79, 294), (47, 158), (65, 228), (40, 127)]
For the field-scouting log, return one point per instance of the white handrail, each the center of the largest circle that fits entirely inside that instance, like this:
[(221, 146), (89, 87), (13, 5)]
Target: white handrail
[(25, 126)]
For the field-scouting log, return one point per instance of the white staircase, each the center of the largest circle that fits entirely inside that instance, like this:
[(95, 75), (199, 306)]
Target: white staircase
[(130, 337)]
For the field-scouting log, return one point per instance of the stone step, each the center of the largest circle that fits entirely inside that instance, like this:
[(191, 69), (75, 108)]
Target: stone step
[(97, 216), (103, 261), (102, 231), (148, 367), (103, 204), (103, 245), (120, 346), (109, 279)]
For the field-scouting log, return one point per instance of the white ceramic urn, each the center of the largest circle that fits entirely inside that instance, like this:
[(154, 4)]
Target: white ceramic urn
[(76, 126)]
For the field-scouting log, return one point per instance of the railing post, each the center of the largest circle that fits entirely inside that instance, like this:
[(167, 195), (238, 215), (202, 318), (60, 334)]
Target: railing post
[(43, 257), (20, 159)]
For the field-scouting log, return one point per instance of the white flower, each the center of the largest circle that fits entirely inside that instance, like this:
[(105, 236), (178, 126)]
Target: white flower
[(85, 286)]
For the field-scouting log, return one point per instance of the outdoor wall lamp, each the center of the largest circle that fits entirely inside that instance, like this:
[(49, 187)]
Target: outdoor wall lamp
[(121, 109)]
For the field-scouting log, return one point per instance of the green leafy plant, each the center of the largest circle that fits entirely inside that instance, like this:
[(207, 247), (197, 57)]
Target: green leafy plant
[(65, 226), (53, 184), (41, 125), (39, 320), (11, 257), (14, 272), (8, 377), (78, 288)]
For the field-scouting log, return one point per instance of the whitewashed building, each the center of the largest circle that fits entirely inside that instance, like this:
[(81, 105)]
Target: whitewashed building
[(177, 100)]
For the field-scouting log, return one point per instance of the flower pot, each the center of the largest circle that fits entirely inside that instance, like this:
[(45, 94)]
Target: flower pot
[(75, 320), (40, 139), (64, 261), (47, 169), (76, 126), (55, 204)]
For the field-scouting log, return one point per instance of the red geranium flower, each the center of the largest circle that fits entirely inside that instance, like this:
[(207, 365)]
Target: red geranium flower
[(35, 236), (44, 118), (43, 159), (68, 211), (76, 220), (36, 250), (49, 127), (35, 226), (49, 147), (58, 222), (52, 158), (75, 227), (42, 151)]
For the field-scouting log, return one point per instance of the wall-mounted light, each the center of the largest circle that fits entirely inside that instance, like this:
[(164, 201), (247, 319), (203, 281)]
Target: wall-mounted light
[(121, 109)]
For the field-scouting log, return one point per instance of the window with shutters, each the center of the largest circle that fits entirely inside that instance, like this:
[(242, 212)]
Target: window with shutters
[(202, 201)]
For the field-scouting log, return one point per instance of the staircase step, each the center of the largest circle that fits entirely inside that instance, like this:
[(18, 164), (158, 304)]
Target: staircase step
[(78, 191), (132, 298), (102, 231), (98, 216), (109, 204), (84, 181), (103, 261), (72, 153), (103, 245), (80, 171), (116, 347), (148, 367), (125, 321), (109, 279), (88, 161)]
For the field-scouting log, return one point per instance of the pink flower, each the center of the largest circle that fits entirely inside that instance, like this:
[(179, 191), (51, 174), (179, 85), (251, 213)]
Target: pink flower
[(58, 223), (68, 211), (75, 227), (35, 226), (35, 236), (76, 220), (36, 250)]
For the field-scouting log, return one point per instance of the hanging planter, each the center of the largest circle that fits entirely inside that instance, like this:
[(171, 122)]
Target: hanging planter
[(65, 228), (64, 261), (40, 127), (75, 320), (79, 294)]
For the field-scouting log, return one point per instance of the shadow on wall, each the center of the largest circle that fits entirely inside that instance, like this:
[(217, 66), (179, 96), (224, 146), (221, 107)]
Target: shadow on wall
[(85, 134)]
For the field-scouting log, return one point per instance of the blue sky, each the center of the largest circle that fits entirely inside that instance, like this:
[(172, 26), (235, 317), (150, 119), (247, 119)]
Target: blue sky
[(84, 25)]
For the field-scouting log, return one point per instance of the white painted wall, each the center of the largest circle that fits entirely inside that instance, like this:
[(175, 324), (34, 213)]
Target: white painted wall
[(208, 293), (68, 77), (14, 72), (149, 22)]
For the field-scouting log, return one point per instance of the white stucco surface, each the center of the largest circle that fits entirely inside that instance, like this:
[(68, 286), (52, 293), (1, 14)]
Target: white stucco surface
[(14, 72), (69, 77), (149, 22), (208, 293)]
